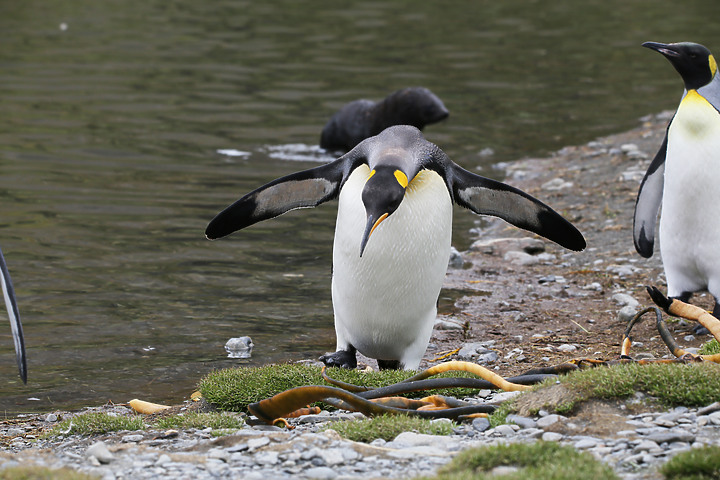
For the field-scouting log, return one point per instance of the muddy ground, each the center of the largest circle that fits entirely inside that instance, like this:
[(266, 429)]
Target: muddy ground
[(533, 304)]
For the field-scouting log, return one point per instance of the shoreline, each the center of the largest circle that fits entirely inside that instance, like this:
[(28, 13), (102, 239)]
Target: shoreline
[(514, 302)]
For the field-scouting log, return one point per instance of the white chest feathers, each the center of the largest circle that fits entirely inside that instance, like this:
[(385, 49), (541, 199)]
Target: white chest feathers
[(385, 301), (689, 223)]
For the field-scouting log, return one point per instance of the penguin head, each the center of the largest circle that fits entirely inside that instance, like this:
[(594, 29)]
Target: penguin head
[(382, 195), (694, 62)]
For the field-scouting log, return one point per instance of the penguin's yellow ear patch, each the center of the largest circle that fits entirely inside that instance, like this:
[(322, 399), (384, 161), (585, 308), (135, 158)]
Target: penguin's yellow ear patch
[(372, 172), (401, 178), (713, 65)]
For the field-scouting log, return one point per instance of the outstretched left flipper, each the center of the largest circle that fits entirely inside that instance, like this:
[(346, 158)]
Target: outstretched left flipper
[(305, 189), (15, 325), (489, 197)]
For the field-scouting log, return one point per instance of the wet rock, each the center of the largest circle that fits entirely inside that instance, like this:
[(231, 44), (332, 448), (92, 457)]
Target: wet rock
[(556, 184), (521, 258), (456, 258), (500, 246), (239, 347)]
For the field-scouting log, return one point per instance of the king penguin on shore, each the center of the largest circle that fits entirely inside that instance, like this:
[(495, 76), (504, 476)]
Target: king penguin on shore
[(398, 188), (684, 177)]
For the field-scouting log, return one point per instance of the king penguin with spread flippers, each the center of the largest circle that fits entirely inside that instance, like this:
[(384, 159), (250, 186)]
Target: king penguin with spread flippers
[(684, 177), (15, 325), (398, 188)]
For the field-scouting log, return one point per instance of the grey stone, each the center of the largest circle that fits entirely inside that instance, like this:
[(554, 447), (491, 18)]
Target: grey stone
[(548, 420), (551, 436), (625, 300), (585, 443), (521, 258), (521, 421), (713, 407), (504, 430), (674, 435), (625, 314), (481, 424), (267, 458), (646, 446), (100, 452), (321, 473), (255, 443), (133, 438)]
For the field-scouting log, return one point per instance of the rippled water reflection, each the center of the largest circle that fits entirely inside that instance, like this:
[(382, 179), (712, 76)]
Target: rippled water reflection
[(127, 125)]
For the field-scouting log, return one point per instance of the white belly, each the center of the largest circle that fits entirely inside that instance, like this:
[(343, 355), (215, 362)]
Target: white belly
[(385, 301), (690, 220)]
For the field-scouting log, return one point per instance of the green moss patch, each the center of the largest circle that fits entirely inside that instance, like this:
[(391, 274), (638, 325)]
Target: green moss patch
[(98, 423), (687, 385), (233, 389), (388, 427), (42, 473), (710, 348), (696, 464), (216, 421), (535, 461)]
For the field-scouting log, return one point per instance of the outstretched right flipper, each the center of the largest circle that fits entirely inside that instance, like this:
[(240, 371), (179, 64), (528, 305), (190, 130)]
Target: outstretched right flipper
[(489, 197), (15, 325)]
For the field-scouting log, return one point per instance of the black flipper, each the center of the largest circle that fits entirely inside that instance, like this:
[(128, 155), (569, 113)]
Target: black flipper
[(489, 197), (648, 203), (15, 325), (305, 189)]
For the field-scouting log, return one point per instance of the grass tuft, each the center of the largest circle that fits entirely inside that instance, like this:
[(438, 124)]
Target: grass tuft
[(233, 389), (95, 423), (710, 348), (534, 461), (696, 464), (216, 421), (42, 473), (388, 427), (672, 384)]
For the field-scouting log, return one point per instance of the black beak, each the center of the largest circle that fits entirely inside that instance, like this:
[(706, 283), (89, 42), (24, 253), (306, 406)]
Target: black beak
[(371, 225), (667, 50)]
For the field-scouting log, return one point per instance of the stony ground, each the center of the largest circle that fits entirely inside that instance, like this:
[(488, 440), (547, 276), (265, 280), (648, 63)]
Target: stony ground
[(512, 302)]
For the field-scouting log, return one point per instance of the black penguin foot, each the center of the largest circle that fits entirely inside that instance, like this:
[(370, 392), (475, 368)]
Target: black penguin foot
[(389, 364), (341, 359)]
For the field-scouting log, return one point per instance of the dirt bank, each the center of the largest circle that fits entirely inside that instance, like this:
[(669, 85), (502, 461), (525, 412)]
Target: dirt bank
[(554, 305)]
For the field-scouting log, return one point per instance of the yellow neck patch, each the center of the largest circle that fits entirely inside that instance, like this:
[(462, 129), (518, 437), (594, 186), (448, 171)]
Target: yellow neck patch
[(372, 172), (713, 65), (401, 178)]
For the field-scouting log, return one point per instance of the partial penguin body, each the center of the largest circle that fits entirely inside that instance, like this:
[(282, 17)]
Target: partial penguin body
[(361, 119), (8, 293), (397, 188), (385, 301), (684, 178), (689, 223)]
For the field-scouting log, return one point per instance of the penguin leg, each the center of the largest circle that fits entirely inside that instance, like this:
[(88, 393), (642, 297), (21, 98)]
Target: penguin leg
[(342, 358), (389, 364)]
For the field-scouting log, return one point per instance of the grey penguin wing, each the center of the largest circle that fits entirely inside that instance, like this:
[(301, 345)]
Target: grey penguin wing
[(648, 203), (489, 197), (308, 188), (15, 325)]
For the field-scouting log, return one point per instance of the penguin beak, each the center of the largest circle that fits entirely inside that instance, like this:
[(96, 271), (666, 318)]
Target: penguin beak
[(663, 48), (370, 228)]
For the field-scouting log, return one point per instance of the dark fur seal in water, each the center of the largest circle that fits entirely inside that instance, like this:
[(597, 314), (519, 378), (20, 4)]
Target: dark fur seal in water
[(361, 119)]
